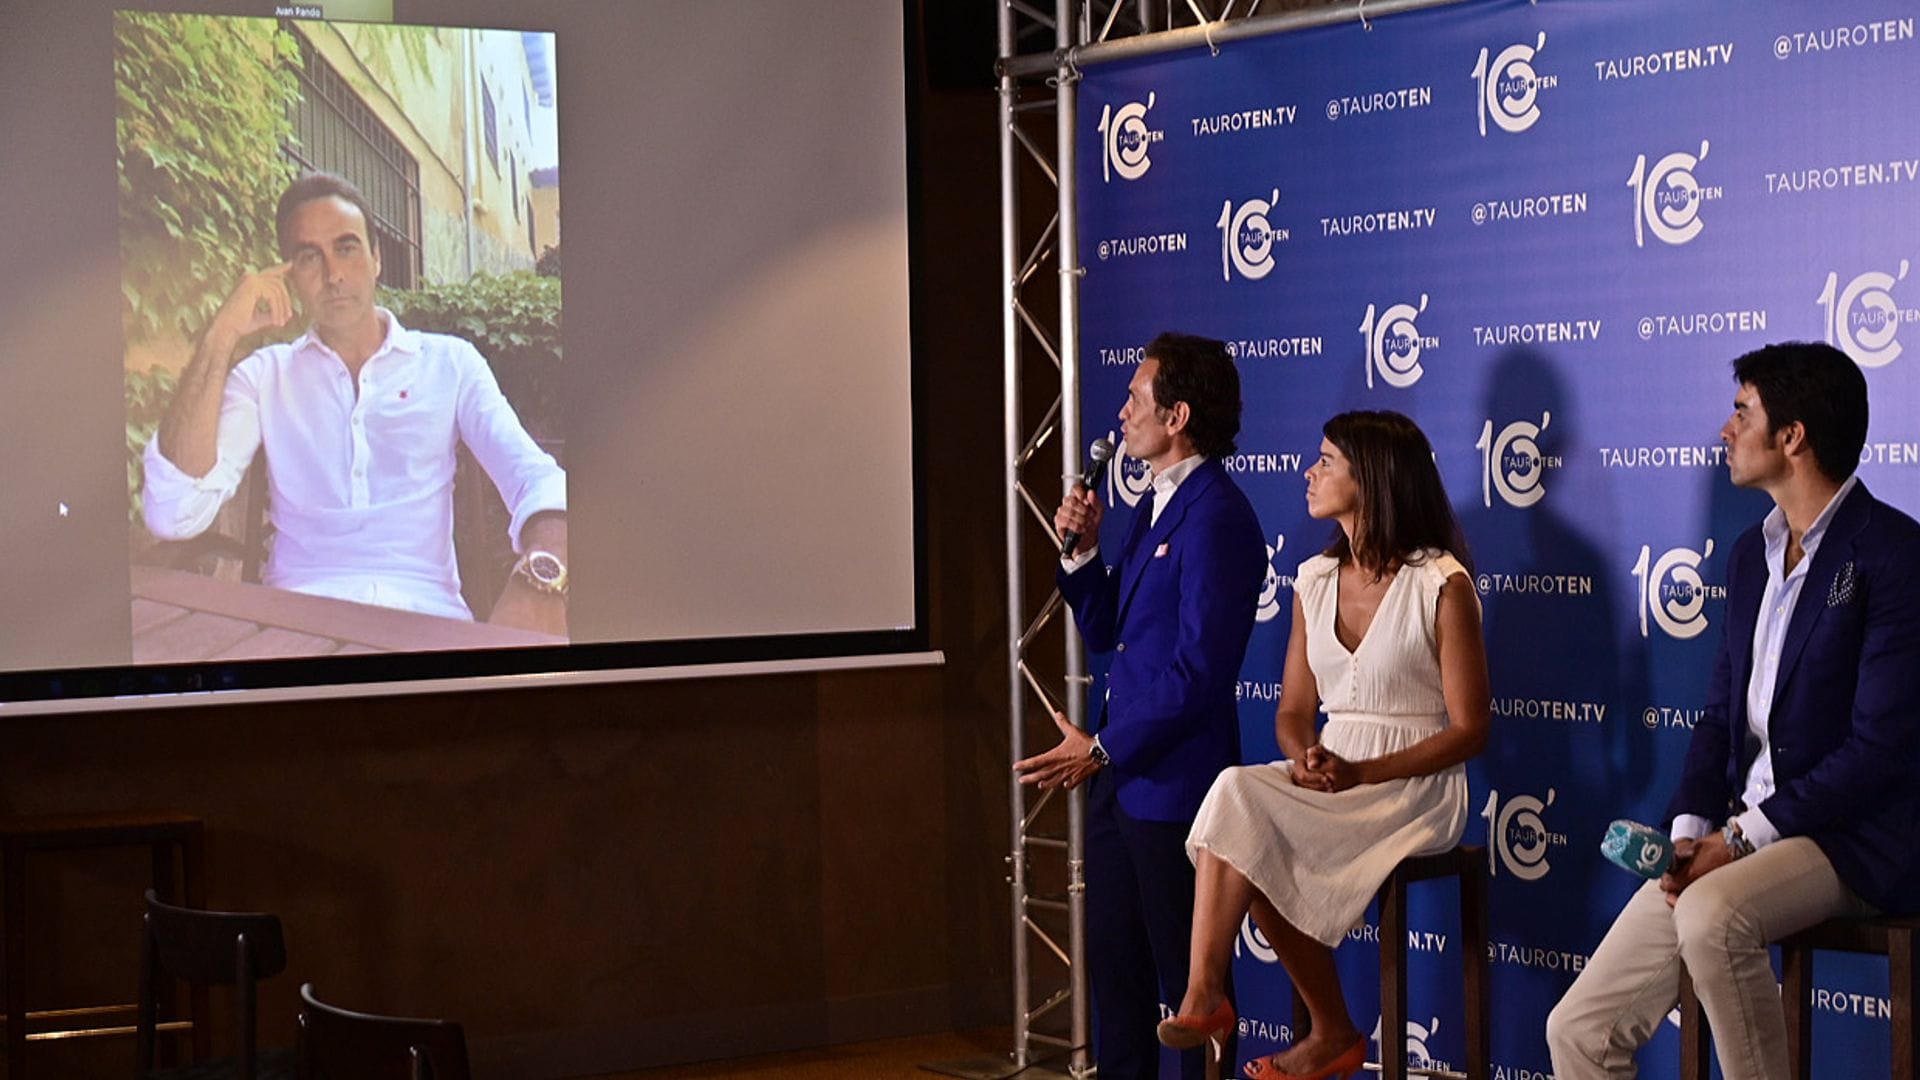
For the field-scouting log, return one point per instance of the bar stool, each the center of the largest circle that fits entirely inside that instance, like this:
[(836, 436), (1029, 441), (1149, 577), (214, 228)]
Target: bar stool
[(1466, 864), (1891, 938), (1696, 1039), (164, 833), (1888, 937)]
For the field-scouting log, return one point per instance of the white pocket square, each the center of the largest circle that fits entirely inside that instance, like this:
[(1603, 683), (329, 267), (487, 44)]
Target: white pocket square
[(1842, 589)]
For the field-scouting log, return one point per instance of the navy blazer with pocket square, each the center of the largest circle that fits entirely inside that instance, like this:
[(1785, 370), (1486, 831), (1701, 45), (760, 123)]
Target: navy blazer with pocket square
[(1844, 732)]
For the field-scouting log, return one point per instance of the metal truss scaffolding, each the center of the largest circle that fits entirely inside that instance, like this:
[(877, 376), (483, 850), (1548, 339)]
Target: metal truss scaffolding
[(1039, 70)]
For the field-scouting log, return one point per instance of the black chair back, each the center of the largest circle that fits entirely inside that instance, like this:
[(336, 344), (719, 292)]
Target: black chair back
[(340, 1044), (206, 948)]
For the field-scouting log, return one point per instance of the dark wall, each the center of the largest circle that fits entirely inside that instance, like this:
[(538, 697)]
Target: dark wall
[(609, 877)]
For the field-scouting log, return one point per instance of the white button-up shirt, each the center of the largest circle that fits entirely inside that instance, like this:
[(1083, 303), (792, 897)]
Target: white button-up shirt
[(361, 478), (1777, 602)]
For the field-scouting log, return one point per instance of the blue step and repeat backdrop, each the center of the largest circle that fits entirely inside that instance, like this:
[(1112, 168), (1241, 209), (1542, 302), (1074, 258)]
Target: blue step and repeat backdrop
[(1542, 231)]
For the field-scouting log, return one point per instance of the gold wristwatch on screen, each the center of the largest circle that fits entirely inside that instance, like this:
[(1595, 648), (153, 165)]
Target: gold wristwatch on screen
[(543, 570)]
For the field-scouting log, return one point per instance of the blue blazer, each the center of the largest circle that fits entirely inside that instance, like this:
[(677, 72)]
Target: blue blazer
[(1176, 614), (1845, 727)]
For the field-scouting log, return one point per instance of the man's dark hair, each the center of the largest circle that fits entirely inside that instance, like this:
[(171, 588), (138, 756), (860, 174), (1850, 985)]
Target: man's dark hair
[(319, 185), (1198, 371), (1822, 389), (1403, 504)]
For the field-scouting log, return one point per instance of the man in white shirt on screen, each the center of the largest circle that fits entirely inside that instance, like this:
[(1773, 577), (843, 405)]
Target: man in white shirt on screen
[(360, 418)]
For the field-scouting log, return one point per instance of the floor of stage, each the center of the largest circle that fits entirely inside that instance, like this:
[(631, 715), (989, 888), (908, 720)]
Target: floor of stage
[(882, 1060)]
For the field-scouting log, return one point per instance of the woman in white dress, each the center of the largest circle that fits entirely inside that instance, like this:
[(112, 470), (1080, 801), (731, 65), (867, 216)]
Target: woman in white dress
[(1386, 640)]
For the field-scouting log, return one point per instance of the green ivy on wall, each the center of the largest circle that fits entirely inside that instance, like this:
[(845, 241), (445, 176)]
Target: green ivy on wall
[(514, 320), (204, 107)]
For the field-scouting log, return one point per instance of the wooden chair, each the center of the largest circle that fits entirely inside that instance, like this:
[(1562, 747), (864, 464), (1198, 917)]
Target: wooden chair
[(209, 948), (1888, 937), (235, 546), (339, 1044), (1465, 864), (481, 547)]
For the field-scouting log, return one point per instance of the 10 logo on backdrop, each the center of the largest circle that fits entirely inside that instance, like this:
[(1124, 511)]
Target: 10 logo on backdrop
[(1127, 140), (1247, 237), (1512, 463), (1510, 88), (1863, 319), (1667, 197), (1129, 479), (1270, 605), (1517, 836), (1254, 943), (1418, 1056), (1672, 591), (1394, 343)]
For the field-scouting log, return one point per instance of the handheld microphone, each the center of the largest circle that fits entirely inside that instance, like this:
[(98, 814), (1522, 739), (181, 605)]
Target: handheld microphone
[(1099, 453), (1637, 848)]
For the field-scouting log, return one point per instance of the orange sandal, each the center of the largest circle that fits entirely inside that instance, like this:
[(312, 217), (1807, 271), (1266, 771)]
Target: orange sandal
[(1347, 1065), (1188, 1032)]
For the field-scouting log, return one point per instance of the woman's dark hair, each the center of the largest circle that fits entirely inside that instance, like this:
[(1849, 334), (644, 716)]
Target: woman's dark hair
[(1403, 504), (1818, 386), (1200, 372)]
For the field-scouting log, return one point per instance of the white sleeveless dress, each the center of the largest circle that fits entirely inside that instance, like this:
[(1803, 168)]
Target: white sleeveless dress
[(1319, 856)]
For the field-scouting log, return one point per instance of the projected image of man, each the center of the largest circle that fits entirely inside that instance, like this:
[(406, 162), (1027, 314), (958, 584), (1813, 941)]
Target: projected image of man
[(1176, 614), (360, 419)]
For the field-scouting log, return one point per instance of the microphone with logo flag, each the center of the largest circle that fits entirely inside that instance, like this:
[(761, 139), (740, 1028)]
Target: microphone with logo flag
[(1098, 455), (1637, 849)]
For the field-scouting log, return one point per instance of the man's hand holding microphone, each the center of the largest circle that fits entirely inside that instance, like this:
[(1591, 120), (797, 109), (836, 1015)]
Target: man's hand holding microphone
[(1650, 854), (1077, 522)]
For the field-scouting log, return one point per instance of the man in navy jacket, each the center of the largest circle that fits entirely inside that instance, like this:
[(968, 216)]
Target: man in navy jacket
[(1175, 612), (1798, 800)]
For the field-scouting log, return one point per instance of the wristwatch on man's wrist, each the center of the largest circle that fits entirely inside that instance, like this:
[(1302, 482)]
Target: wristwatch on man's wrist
[(1736, 839), (1099, 754), (543, 570)]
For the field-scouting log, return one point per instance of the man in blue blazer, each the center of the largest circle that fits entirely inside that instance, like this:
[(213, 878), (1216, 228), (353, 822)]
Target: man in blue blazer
[(1798, 801), (1175, 612)]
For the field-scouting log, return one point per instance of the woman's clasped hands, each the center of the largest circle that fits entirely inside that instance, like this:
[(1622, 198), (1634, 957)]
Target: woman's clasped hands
[(1323, 770)]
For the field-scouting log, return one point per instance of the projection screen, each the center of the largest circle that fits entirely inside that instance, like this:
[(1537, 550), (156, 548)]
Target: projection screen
[(599, 361)]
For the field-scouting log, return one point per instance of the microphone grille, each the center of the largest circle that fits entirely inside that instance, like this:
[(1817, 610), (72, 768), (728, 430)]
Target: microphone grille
[(1101, 450)]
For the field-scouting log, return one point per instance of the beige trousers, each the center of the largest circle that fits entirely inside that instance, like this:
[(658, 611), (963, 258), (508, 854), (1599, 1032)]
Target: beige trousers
[(1720, 927)]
